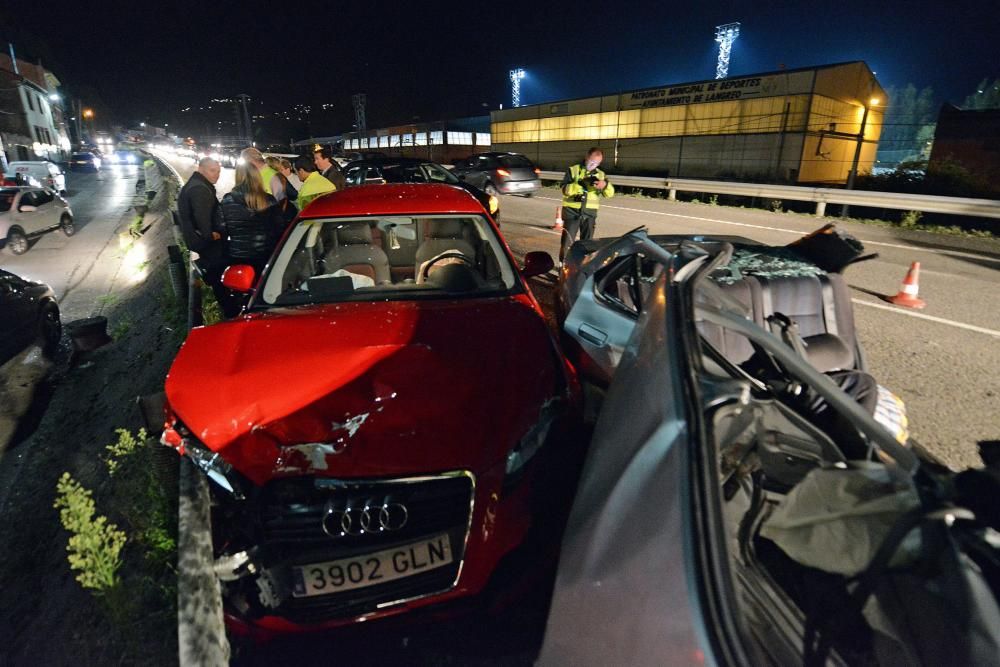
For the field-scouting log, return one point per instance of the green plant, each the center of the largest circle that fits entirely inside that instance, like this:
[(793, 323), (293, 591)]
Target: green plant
[(713, 200), (211, 312), (121, 328), (108, 300), (911, 218), (95, 544), (776, 205), (135, 228), (126, 445)]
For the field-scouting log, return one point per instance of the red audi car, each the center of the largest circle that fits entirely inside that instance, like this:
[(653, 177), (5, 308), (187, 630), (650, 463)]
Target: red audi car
[(377, 423)]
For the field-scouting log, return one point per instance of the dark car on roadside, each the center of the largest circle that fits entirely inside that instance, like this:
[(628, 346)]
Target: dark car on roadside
[(28, 314), (84, 161), (507, 173), (414, 170)]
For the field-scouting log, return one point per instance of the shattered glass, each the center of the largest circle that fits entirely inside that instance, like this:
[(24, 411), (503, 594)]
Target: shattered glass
[(766, 262)]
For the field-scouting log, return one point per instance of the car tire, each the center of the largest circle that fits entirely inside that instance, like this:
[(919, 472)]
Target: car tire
[(528, 195), (17, 242), (490, 189), (49, 328), (67, 225)]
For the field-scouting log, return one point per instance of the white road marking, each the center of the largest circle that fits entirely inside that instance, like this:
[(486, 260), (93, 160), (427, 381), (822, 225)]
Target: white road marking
[(935, 251), (931, 318), (533, 228)]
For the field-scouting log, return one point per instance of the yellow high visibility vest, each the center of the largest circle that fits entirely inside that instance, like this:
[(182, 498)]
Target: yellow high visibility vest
[(580, 184), (266, 174), (314, 186)]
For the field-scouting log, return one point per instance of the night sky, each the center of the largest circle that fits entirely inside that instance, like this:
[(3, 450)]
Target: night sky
[(432, 60)]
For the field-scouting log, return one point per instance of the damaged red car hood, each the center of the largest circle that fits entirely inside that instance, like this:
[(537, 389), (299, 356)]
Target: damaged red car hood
[(367, 389)]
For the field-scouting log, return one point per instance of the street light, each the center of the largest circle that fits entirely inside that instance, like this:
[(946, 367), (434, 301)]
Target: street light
[(515, 86), (54, 97), (88, 114), (142, 124), (845, 209)]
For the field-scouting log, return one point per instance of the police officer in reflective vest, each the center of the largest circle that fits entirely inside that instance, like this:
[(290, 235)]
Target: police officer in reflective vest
[(583, 186)]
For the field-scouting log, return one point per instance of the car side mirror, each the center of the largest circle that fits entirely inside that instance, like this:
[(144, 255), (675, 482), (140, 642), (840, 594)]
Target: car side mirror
[(238, 278), (27, 208), (537, 263)]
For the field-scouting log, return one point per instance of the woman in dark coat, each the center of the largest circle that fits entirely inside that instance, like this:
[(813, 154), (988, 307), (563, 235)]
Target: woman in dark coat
[(252, 219)]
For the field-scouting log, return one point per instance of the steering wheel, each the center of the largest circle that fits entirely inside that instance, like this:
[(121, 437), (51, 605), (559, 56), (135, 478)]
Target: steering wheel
[(425, 271)]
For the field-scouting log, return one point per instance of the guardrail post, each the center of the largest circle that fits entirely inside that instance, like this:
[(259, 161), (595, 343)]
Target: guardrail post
[(672, 194), (195, 316), (201, 632), (820, 209)]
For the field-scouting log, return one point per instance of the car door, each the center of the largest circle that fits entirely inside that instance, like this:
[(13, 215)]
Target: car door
[(615, 285), (48, 209), (625, 593), (484, 170), (17, 317), (461, 168), (28, 216)]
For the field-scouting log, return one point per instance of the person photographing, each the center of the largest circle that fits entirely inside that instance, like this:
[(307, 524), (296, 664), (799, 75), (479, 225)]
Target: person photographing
[(583, 187)]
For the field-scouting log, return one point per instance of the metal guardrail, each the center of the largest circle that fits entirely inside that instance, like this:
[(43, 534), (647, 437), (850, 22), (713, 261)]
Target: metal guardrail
[(983, 208)]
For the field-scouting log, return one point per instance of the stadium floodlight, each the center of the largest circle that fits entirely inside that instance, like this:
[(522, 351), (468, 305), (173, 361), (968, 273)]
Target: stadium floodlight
[(515, 86), (725, 35)]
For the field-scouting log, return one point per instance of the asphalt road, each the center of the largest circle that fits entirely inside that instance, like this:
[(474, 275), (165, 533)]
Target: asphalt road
[(83, 269), (944, 361)]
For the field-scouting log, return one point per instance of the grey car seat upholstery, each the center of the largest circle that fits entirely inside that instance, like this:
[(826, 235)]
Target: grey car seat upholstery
[(354, 250), (819, 305), (444, 235)]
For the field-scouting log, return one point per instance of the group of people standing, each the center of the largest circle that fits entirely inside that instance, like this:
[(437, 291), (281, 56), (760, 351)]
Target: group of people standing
[(246, 225)]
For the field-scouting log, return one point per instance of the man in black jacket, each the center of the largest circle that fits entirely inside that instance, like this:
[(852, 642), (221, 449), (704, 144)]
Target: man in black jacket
[(328, 167), (198, 208)]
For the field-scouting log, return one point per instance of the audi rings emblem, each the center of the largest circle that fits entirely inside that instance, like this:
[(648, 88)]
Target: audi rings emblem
[(371, 518)]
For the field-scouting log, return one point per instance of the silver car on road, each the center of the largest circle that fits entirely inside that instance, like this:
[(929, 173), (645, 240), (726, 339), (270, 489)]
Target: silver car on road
[(27, 212)]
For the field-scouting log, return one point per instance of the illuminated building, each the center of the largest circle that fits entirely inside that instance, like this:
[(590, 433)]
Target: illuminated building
[(795, 125)]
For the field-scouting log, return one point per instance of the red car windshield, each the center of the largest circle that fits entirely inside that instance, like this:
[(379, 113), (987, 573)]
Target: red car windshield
[(393, 257)]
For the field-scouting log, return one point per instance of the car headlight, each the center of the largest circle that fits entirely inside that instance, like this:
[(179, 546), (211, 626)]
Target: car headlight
[(531, 443), (494, 204), (211, 463)]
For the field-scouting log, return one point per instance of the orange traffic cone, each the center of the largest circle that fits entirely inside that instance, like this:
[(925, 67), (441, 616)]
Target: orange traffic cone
[(559, 221), (907, 295)]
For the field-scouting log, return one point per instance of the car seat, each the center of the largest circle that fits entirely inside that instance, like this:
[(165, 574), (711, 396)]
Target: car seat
[(354, 250), (441, 236)]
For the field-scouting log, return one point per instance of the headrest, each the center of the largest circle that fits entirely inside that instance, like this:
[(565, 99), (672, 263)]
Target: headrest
[(445, 229), (354, 234)]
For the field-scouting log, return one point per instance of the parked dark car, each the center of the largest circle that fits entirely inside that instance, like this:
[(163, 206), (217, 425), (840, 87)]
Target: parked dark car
[(414, 170), (84, 161), (28, 314), (509, 173), (742, 503)]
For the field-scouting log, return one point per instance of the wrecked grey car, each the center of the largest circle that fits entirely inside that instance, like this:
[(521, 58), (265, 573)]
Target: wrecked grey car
[(740, 503)]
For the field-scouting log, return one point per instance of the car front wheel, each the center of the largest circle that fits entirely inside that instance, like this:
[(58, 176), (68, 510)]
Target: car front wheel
[(66, 225), (17, 242)]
